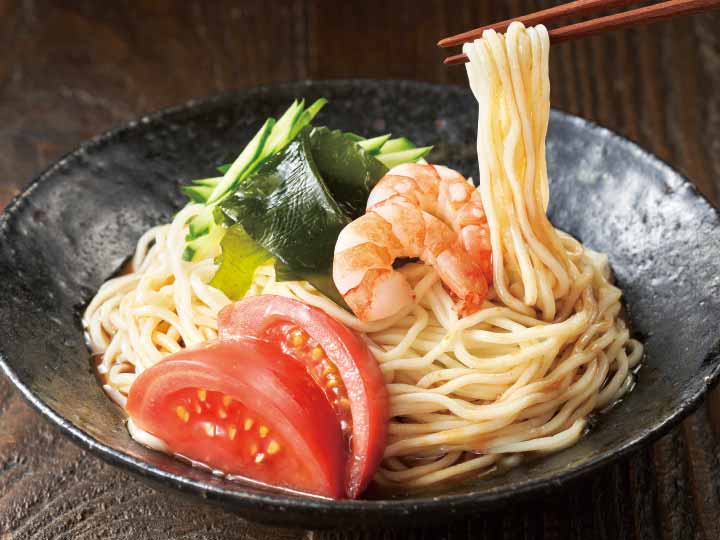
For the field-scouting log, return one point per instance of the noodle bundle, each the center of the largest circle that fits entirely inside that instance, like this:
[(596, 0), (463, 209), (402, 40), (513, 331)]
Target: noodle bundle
[(522, 374)]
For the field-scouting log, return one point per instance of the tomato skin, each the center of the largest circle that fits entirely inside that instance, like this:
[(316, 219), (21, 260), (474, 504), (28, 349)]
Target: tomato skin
[(360, 373), (264, 382)]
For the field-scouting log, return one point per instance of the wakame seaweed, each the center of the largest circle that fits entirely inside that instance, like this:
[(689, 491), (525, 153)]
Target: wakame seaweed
[(349, 171), (287, 208)]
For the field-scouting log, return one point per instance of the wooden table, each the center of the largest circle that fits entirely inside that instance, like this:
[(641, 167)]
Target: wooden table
[(72, 69)]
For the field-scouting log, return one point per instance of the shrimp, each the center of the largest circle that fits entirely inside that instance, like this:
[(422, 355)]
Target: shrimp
[(428, 212)]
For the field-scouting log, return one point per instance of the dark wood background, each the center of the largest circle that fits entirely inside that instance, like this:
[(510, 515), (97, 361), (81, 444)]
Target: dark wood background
[(72, 69)]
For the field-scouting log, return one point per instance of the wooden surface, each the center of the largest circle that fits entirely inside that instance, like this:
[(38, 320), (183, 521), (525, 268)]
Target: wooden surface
[(72, 69)]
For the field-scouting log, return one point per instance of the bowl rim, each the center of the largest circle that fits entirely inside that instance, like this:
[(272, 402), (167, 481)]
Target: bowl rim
[(267, 501)]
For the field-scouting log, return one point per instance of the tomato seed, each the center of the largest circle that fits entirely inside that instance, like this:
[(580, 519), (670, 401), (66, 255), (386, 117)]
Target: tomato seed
[(182, 413), (327, 371), (298, 338), (248, 424), (273, 447), (263, 431), (202, 394)]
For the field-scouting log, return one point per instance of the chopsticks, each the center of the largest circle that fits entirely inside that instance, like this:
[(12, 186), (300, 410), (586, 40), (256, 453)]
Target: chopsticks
[(635, 17)]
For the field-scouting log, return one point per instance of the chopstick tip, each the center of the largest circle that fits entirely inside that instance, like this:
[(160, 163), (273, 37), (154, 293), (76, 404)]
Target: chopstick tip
[(455, 60)]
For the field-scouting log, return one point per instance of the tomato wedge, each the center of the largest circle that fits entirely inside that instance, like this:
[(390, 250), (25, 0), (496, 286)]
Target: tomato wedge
[(339, 362), (242, 406)]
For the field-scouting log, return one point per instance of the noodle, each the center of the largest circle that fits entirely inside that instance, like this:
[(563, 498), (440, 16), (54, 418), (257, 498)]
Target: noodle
[(520, 375)]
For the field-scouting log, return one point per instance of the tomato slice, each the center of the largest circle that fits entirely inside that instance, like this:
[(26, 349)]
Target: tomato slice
[(338, 360), (245, 408)]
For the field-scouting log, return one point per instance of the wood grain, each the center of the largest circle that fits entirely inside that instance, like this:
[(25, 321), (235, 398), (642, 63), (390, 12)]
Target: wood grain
[(74, 69)]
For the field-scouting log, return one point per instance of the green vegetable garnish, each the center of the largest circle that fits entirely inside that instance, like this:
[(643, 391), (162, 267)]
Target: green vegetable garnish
[(349, 170), (397, 145), (241, 256), (271, 138), (405, 156), (197, 194), (287, 197), (373, 146), (287, 208)]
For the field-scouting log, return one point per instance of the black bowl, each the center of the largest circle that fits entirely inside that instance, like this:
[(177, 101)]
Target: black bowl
[(73, 227)]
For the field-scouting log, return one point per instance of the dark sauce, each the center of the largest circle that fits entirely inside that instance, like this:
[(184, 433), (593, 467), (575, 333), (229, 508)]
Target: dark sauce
[(95, 361), (125, 268)]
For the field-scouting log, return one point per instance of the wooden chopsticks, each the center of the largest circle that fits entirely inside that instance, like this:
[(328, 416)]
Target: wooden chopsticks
[(635, 17)]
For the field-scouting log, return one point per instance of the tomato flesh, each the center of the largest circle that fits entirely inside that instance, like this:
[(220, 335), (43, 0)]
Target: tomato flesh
[(225, 432), (296, 343), (245, 408), (338, 360)]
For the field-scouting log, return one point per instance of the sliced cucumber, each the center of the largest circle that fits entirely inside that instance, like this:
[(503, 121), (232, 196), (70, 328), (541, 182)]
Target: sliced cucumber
[(354, 137), (406, 156), (372, 146), (283, 127), (246, 158), (305, 118), (212, 182), (397, 145), (197, 194), (272, 137), (201, 224), (204, 246)]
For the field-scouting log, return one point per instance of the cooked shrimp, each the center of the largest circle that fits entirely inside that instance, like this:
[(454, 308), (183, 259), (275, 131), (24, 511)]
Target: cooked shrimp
[(425, 211)]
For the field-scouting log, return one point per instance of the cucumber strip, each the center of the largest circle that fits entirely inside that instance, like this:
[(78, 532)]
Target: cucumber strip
[(201, 224), (306, 117), (372, 146), (197, 194), (276, 136), (246, 157), (211, 182), (283, 127), (354, 137), (406, 156), (397, 145), (204, 246)]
